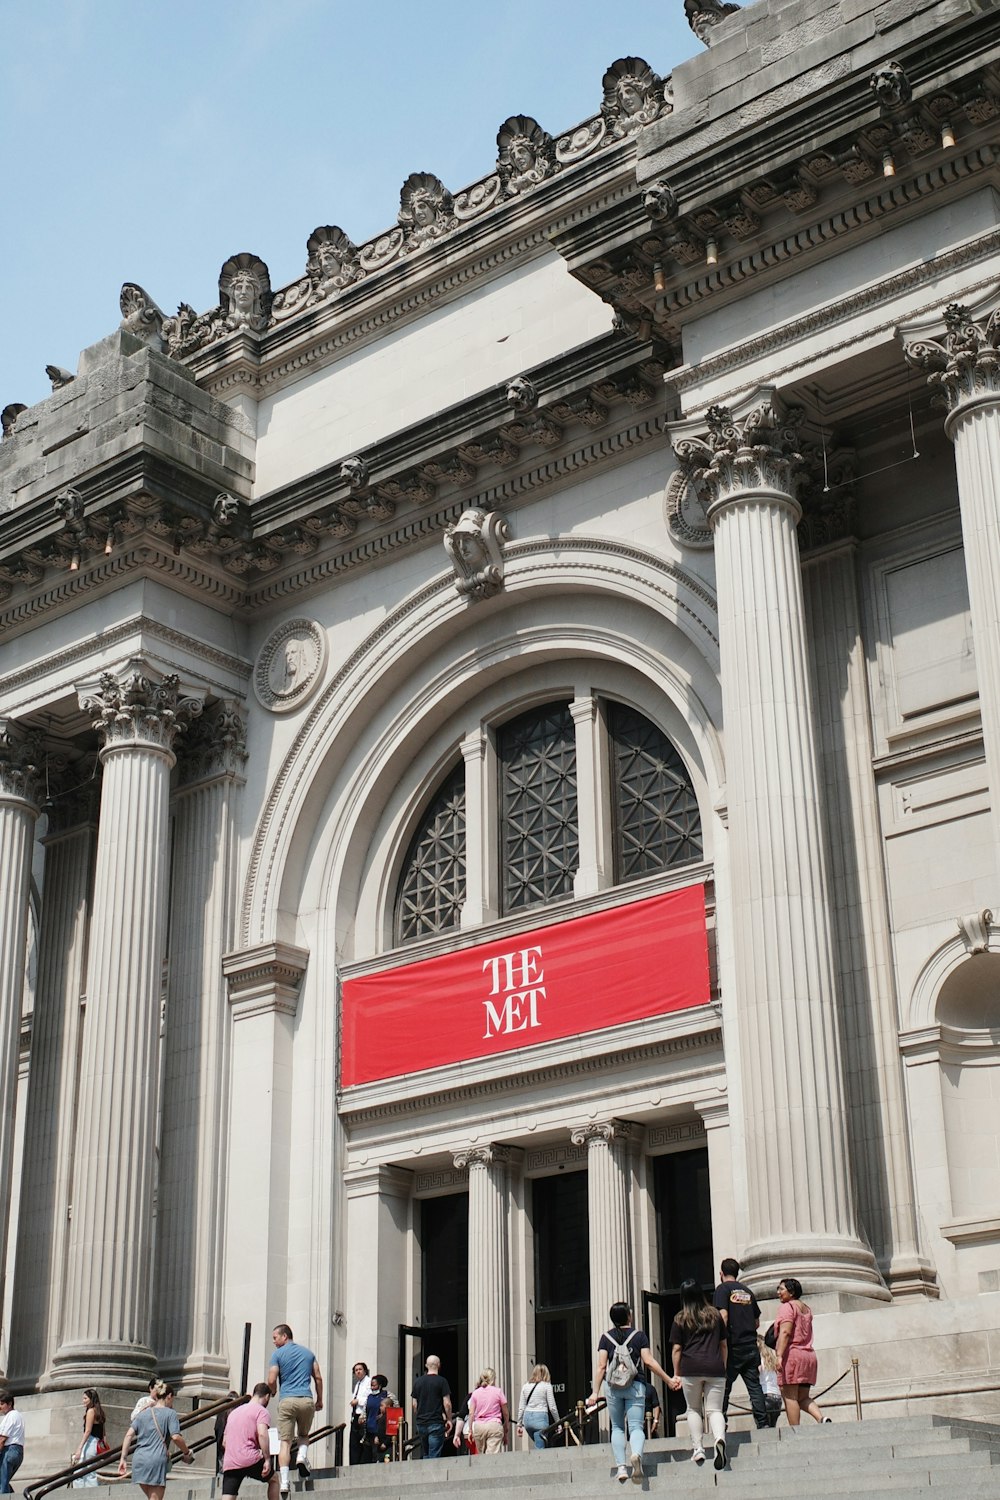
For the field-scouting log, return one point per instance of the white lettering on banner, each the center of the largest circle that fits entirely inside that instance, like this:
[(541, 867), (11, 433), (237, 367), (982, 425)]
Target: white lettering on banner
[(517, 976)]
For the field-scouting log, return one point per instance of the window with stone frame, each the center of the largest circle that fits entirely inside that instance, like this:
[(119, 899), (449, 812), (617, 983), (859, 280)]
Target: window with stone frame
[(657, 823), (539, 832), (432, 884)]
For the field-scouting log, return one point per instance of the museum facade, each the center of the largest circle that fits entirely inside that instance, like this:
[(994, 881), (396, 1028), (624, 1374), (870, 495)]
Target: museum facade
[(500, 749)]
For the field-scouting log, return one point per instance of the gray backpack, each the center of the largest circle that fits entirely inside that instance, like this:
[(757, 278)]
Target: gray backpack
[(622, 1370)]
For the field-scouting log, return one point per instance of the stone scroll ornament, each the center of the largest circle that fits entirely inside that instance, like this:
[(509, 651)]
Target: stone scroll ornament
[(426, 210), (526, 154), (634, 96), (474, 544), (704, 15), (965, 363), (290, 665), (141, 317)]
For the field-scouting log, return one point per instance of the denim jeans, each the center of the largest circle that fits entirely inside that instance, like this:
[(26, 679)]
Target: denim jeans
[(10, 1461), (534, 1424), (431, 1435), (626, 1406), (746, 1366)]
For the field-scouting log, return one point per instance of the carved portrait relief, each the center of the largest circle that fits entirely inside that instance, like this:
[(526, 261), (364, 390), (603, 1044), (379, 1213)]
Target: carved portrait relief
[(425, 209), (526, 154), (245, 293), (290, 665), (633, 96), (332, 262)]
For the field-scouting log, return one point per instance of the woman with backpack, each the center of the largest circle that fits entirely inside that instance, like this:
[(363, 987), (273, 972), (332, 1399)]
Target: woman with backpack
[(698, 1342), (622, 1355)]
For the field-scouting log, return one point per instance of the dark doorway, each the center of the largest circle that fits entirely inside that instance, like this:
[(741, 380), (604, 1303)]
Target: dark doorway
[(444, 1292), (562, 1283), (684, 1237)]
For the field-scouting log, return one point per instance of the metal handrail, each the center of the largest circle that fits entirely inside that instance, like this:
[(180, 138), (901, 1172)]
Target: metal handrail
[(63, 1477), (855, 1370), (571, 1425)]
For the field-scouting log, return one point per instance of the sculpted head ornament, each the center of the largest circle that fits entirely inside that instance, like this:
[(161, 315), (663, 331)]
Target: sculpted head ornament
[(521, 393), (525, 153), (660, 201), (332, 261), (354, 472), (9, 416), (704, 15), (890, 85), (425, 208), (245, 293), (474, 544), (633, 96)]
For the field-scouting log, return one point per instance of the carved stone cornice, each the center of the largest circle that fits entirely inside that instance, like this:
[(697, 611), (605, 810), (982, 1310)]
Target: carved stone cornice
[(963, 366), (759, 453), (489, 1155), (602, 1133), (21, 761), (214, 746), (265, 979), (133, 709)]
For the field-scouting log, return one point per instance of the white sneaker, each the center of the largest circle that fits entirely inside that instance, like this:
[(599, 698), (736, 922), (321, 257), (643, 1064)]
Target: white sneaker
[(622, 1475), (698, 1456), (636, 1468)]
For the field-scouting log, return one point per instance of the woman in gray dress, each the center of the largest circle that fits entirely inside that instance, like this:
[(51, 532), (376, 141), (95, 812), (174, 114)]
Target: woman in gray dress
[(154, 1430)]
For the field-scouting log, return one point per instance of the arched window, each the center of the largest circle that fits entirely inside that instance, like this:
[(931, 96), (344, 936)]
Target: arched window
[(539, 836), (656, 818), (432, 884)]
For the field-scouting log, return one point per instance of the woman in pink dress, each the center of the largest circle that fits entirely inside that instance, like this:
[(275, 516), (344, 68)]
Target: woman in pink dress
[(796, 1355)]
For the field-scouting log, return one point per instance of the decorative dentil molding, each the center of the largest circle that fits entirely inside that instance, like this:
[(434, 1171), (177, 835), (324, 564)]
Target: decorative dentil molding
[(964, 364), (214, 746), (740, 455), (492, 1154), (474, 545), (975, 930), (22, 759), (704, 15), (135, 708)]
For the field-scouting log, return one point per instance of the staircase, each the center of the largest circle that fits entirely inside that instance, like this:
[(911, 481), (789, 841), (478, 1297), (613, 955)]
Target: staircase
[(915, 1458)]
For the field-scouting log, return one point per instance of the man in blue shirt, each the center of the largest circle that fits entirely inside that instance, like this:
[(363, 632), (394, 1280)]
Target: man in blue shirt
[(297, 1370)]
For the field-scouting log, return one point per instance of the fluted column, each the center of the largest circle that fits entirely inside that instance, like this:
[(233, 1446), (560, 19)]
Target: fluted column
[(964, 369), (489, 1170), (609, 1207), (20, 762), (40, 1266), (188, 1323), (106, 1313), (877, 1119), (801, 1207)]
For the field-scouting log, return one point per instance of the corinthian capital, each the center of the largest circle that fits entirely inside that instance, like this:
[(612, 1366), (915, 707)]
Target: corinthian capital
[(737, 456), (214, 746), (21, 759), (132, 708), (964, 364)]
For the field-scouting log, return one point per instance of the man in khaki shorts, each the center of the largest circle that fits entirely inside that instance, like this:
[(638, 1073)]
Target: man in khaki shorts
[(296, 1369)]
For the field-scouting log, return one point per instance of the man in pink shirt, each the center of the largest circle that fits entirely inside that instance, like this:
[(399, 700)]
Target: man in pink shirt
[(247, 1445)]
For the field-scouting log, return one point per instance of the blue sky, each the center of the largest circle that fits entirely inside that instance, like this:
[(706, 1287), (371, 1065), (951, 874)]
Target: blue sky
[(148, 140)]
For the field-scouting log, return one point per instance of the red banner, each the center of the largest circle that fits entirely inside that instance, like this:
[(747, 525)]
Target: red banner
[(591, 972)]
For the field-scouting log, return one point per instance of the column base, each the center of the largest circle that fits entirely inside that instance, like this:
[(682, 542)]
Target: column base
[(198, 1375), (102, 1364), (909, 1277), (824, 1265)]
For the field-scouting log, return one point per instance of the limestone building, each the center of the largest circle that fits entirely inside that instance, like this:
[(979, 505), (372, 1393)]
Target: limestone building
[(501, 751)]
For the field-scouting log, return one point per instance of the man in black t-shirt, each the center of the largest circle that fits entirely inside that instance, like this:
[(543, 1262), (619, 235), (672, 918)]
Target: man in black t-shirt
[(741, 1314), (431, 1401)]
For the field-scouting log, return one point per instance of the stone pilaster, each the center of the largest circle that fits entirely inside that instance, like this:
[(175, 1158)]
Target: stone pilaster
[(481, 896), (592, 783), (39, 1272), (489, 1170), (964, 370), (20, 764), (800, 1200), (188, 1322), (106, 1312), (609, 1203), (378, 1212), (877, 1127)]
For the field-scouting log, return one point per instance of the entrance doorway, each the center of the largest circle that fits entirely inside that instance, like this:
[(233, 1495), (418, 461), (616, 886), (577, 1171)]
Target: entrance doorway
[(562, 1283), (444, 1298), (684, 1237)]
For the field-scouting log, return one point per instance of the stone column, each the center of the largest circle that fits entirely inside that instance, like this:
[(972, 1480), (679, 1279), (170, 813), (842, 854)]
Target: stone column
[(481, 894), (379, 1203), (609, 1205), (106, 1312), (489, 1257), (964, 370), (877, 1126), (20, 763), (592, 783), (801, 1207), (188, 1324), (40, 1267)]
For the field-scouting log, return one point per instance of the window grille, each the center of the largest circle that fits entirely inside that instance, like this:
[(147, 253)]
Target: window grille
[(657, 823), (539, 834), (432, 885)]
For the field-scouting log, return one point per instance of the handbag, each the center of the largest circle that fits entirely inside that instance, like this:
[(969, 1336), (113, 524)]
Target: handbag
[(103, 1446), (771, 1336)]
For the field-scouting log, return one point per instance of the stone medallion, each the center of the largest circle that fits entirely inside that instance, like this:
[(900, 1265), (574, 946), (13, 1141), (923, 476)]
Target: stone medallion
[(290, 665)]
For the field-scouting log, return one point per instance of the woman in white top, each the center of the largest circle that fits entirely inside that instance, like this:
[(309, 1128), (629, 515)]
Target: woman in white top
[(537, 1408)]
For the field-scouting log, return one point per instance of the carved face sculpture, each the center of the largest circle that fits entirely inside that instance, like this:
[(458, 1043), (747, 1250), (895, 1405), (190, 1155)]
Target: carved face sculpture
[(630, 96), (243, 293), (422, 210), (522, 154)]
